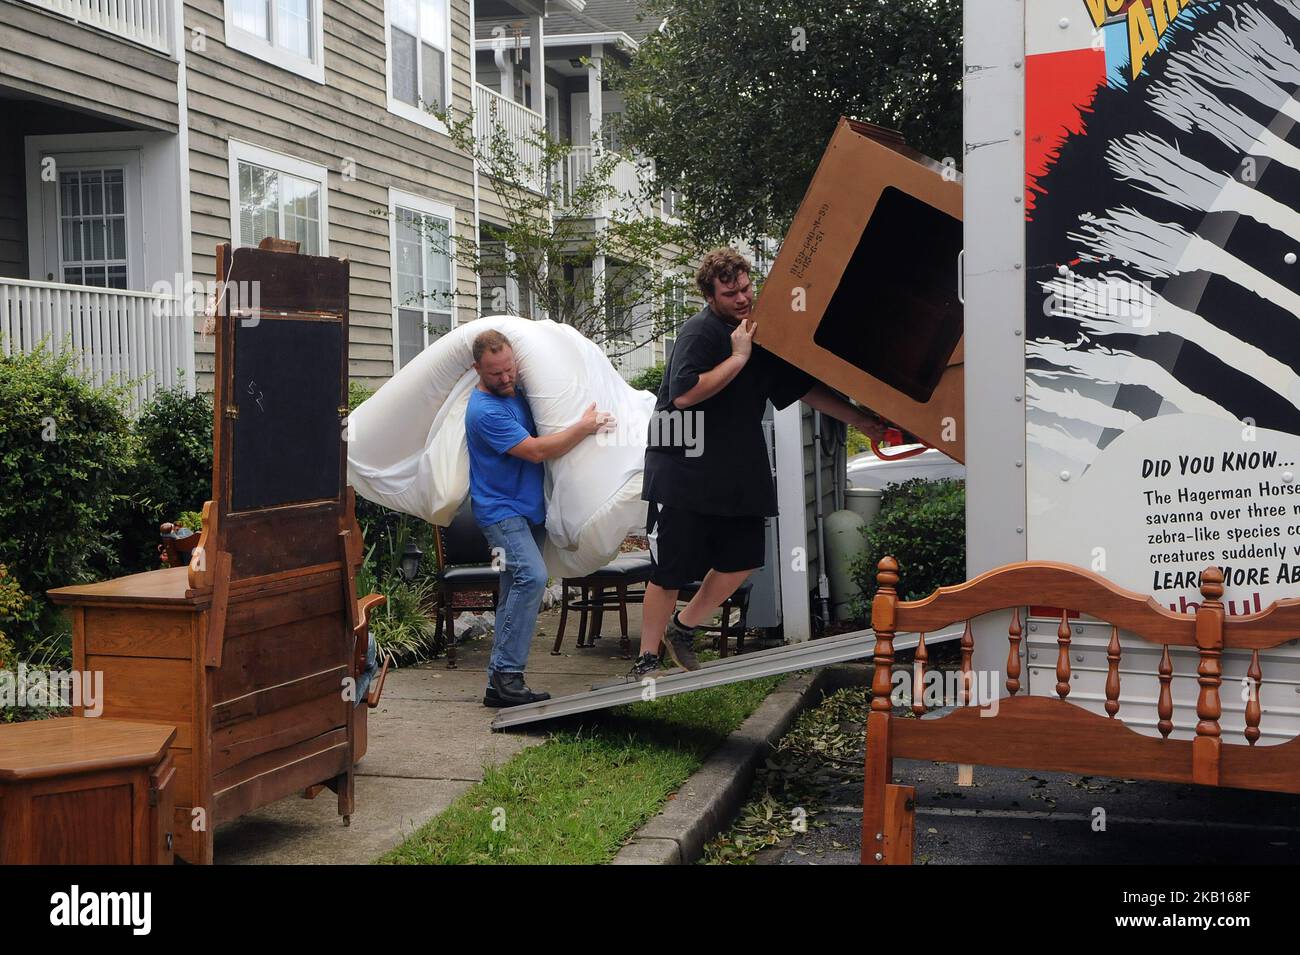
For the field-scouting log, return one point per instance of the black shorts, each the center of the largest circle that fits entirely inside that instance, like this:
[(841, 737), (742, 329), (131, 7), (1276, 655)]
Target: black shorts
[(688, 545)]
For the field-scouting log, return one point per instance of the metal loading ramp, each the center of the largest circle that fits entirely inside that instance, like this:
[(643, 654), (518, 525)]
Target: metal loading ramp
[(748, 666)]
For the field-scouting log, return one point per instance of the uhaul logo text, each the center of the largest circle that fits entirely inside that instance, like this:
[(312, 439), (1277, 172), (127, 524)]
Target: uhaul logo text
[(1145, 27)]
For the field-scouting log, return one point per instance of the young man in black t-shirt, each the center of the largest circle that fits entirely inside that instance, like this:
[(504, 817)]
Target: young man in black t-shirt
[(707, 475)]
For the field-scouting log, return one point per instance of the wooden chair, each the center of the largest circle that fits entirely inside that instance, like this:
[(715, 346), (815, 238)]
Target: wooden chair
[(464, 566), (1054, 734), (620, 574)]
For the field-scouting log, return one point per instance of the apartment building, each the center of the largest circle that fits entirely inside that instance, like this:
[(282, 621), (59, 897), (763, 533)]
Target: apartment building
[(137, 135), (564, 90), (140, 134)]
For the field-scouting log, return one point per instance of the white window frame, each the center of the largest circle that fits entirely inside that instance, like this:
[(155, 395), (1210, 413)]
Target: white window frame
[(416, 114), (682, 280), (553, 112), (427, 207), (312, 68), (289, 165), (45, 250)]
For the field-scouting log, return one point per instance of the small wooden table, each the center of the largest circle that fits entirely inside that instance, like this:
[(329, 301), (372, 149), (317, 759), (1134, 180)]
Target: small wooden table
[(86, 791)]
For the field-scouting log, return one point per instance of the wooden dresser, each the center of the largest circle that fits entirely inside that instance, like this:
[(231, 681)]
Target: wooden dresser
[(269, 721), (252, 652), (86, 792)]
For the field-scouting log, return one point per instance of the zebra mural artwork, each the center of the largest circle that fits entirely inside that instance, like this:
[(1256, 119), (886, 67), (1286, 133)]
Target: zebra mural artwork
[(1162, 334)]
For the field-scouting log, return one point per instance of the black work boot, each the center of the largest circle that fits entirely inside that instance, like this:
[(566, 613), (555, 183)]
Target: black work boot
[(509, 689)]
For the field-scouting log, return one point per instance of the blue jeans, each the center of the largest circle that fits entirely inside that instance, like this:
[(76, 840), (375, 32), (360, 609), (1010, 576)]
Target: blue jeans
[(517, 547)]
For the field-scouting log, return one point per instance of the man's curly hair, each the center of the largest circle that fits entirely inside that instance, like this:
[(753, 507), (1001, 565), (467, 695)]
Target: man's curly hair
[(723, 263)]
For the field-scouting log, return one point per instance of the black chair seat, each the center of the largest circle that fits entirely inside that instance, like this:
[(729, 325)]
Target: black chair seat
[(479, 574), (632, 568)]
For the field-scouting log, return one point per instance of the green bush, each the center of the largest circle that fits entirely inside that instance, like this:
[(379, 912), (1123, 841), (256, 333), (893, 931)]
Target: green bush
[(65, 460), (12, 604), (650, 379), (404, 626), (357, 393), (172, 472), (922, 525)]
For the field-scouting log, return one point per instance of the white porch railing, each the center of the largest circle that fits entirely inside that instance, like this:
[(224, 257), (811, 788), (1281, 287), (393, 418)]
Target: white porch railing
[(147, 22), (627, 178), (632, 358), (141, 338), (520, 124)]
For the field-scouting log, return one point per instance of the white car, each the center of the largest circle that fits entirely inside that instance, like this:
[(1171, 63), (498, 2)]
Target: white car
[(868, 471)]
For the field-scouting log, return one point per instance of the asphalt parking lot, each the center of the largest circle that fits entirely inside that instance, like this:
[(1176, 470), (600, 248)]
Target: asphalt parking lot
[(1018, 817)]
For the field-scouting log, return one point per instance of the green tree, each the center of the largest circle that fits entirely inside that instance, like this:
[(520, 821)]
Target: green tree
[(549, 196), (66, 454), (734, 100)]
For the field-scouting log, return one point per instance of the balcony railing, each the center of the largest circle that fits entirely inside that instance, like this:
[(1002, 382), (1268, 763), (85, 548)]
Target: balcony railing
[(139, 338), (519, 123), (628, 179), (147, 22), (630, 358)]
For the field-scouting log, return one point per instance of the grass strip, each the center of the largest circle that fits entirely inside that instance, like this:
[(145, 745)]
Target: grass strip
[(576, 798)]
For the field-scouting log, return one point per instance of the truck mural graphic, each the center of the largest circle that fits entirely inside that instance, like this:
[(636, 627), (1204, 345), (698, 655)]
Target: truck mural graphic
[(1162, 334)]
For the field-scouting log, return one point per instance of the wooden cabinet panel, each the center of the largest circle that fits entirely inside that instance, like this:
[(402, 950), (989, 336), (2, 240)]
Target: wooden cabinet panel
[(261, 659), (278, 728), (136, 633), (83, 827), (146, 689)]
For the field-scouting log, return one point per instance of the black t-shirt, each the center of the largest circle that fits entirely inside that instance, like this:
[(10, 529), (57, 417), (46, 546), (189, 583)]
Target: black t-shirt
[(711, 457)]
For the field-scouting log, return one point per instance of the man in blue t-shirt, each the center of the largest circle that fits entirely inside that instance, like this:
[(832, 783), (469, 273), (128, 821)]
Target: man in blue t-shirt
[(505, 489)]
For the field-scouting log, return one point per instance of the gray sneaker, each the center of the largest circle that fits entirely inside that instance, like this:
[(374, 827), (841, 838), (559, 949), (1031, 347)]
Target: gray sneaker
[(679, 645)]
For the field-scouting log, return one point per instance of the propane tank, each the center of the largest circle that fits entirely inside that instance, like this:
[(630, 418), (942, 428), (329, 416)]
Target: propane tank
[(844, 543), (864, 501)]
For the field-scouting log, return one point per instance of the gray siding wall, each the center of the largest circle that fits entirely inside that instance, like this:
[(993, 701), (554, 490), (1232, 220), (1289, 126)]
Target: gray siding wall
[(236, 96), (49, 55)]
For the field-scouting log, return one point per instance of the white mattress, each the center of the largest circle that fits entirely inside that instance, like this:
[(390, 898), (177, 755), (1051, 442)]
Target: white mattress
[(407, 451)]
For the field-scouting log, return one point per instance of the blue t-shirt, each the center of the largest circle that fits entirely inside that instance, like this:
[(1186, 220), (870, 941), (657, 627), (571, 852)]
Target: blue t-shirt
[(500, 484)]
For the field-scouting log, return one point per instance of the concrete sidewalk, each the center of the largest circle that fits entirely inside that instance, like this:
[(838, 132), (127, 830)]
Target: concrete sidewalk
[(429, 741)]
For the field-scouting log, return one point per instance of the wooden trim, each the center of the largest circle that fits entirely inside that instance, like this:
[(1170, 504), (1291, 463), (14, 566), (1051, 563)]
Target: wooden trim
[(1016, 585), (877, 774), (1039, 732), (217, 614), (900, 803)]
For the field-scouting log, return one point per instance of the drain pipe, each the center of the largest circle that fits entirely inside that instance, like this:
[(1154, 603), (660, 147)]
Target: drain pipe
[(839, 462), (823, 583)]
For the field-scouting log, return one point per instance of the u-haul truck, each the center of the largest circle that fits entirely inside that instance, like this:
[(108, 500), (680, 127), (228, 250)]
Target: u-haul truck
[(1132, 316)]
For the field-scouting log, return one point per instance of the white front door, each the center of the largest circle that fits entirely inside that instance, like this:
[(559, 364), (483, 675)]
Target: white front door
[(86, 223)]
